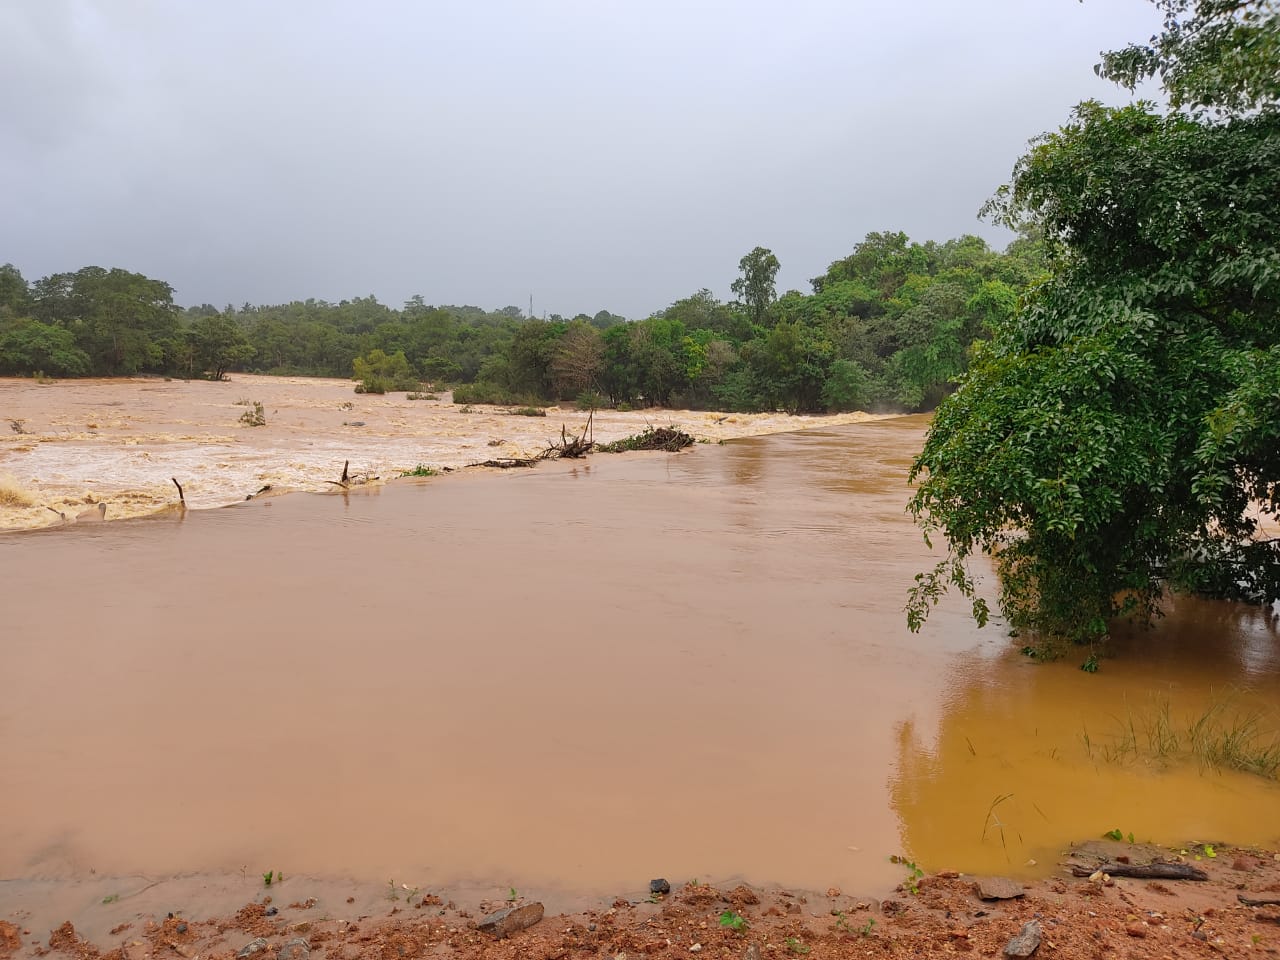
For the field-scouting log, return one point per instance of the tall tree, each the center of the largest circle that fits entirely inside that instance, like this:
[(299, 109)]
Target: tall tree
[(218, 344), (1116, 437), (15, 297), (755, 287)]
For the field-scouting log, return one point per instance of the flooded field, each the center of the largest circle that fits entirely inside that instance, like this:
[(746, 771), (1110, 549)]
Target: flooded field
[(579, 677), (67, 446)]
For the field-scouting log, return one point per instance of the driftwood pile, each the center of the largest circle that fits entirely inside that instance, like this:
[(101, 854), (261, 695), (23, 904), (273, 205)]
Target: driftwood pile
[(669, 439), (576, 445), (571, 445)]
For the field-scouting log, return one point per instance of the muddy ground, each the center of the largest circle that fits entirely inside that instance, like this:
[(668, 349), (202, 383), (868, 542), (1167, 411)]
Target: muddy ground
[(940, 915)]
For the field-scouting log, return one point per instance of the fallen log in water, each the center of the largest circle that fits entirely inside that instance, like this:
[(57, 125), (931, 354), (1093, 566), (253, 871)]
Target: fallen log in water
[(347, 480), (507, 463), (1144, 871)]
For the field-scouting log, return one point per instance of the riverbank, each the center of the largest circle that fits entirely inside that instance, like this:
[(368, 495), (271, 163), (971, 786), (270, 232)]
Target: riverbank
[(94, 449), (1072, 917)]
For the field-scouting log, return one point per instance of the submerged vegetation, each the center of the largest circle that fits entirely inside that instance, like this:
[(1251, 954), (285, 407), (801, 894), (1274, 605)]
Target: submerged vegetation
[(1119, 435), (421, 470), (14, 495), (1217, 738)]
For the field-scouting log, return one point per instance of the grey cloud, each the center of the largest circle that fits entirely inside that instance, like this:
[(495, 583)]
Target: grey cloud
[(599, 155)]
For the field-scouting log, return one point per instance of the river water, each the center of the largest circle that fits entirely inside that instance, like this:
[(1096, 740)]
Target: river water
[(582, 676)]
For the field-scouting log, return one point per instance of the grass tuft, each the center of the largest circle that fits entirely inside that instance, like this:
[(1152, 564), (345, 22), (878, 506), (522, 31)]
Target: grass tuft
[(1217, 738), (13, 495)]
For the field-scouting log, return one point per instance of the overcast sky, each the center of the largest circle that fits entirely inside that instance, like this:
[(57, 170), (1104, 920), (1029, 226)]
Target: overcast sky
[(594, 154)]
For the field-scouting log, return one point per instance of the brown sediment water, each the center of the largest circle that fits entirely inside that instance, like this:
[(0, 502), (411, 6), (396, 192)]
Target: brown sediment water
[(69, 445), (580, 676)]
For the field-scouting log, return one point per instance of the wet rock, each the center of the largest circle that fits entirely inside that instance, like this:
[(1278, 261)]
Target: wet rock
[(10, 939), (253, 947), (506, 922), (659, 886), (181, 928), (295, 949), (998, 888), (272, 911), (1026, 942)]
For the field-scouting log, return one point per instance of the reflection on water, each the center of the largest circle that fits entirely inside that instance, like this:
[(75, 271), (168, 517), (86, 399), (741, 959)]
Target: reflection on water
[(1028, 757), (691, 665)]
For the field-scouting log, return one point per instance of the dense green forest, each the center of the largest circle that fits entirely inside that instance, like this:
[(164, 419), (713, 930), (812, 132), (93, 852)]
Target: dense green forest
[(892, 325), (1120, 436)]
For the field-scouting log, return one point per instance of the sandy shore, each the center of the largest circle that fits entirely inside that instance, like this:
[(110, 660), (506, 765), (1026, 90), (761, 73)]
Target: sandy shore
[(1231, 913), (69, 446)]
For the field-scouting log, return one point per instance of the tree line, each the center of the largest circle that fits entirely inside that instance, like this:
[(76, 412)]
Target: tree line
[(892, 325)]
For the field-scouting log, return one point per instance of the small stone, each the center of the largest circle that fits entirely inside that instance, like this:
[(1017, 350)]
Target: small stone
[(1026, 942), (998, 888), (182, 928), (1243, 864), (833, 891), (1136, 930), (506, 922), (659, 887), (257, 945), (272, 911), (295, 949), (695, 948), (752, 952)]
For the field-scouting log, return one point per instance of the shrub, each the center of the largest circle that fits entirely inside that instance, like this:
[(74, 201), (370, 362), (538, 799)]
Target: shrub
[(255, 417), (592, 400), (380, 373), (493, 393)]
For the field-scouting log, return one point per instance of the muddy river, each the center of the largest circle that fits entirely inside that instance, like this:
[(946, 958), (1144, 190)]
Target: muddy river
[(579, 677), (69, 448)]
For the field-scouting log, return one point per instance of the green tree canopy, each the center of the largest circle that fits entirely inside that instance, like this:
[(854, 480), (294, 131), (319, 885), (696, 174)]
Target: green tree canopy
[(218, 343), (1116, 437), (755, 287)]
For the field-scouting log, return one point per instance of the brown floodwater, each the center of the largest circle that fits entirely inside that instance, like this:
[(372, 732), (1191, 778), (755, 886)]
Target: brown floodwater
[(69, 445), (580, 677)]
